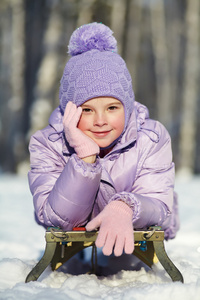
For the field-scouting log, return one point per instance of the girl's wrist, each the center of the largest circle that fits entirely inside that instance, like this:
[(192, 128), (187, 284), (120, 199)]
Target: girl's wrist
[(90, 159)]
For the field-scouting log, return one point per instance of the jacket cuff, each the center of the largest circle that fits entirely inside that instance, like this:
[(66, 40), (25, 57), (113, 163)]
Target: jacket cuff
[(146, 211), (85, 167), (130, 200)]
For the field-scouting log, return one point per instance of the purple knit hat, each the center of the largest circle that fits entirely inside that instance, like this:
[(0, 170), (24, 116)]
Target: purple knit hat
[(95, 69)]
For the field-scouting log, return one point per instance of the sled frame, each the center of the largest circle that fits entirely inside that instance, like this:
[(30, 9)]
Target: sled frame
[(62, 245)]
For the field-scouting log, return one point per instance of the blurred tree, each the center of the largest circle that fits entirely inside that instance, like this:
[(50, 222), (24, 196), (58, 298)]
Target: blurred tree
[(12, 140), (131, 48), (159, 40), (37, 15), (190, 87), (47, 78), (161, 59)]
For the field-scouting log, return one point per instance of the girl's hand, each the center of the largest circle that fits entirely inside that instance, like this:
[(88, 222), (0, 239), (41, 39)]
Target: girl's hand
[(84, 146), (116, 228)]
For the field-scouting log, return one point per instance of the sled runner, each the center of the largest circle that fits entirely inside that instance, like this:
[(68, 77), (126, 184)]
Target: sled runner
[(62, 245)]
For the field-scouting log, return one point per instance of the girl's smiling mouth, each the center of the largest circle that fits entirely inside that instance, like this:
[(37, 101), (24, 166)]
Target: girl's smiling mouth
[(101, 133)]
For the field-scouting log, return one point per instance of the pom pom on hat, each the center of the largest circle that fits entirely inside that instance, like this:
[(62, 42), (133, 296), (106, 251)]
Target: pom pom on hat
[(92, 36)]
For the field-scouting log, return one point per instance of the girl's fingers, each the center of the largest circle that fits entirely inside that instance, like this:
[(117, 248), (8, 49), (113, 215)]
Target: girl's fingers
[(67, 112), (94, 224), (129, 245), (119, 246), (76, 116), (109, 244), (72, 115)]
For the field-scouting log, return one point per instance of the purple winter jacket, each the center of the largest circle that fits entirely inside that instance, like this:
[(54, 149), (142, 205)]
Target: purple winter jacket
[(68, 192)]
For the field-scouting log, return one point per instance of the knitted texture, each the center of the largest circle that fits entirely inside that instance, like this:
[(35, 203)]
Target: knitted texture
[(95, 70), (115, 228)]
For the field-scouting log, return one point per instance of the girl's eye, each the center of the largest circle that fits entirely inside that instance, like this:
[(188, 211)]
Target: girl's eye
[(86, 110), (112, 107)]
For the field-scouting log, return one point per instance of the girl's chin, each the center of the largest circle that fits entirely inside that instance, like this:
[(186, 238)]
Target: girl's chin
[(104, 145)]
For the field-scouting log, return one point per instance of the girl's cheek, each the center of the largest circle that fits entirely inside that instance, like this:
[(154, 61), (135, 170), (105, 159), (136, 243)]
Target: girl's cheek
[(83, 123), (119, 123)]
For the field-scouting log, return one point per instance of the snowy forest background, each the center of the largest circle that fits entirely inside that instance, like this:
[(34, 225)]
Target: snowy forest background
[(159, 39)]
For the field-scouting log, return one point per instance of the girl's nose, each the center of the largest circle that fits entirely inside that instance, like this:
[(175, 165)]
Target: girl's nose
[(100, 119)]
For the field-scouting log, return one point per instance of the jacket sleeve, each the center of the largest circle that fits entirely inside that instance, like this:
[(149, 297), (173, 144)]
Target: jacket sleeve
[(152, 193), (63, 193)]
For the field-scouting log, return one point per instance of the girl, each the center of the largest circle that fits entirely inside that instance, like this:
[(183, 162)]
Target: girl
[(102, 162)]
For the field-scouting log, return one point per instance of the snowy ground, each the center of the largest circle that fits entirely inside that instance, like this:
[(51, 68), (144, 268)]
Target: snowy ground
[(22, 244)]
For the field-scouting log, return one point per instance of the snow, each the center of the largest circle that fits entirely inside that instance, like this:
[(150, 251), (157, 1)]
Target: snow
[(22, 245)]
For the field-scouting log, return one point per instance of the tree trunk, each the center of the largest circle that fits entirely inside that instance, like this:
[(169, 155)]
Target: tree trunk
[(190, 88), (158, 29), (85, 12), (15, 139), (175, 31), (47, 76), (118, 14), (132, 46)]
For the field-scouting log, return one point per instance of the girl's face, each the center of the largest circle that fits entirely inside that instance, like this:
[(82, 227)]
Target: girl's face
[(102, 119)]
